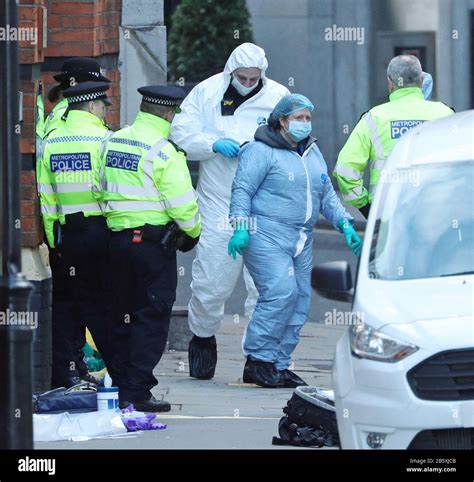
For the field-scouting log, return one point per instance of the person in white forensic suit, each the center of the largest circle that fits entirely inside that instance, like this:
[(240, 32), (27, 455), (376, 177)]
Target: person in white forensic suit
[(219, 115)]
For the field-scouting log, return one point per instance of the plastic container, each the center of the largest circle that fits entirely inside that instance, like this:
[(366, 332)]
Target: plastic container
[(107, 398)]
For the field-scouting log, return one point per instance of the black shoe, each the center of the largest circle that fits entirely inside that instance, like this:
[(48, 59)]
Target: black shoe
[(262, 373), (291, 379), (150, 405), (66, 382), (202, 357), (90, 378), (247, 377)]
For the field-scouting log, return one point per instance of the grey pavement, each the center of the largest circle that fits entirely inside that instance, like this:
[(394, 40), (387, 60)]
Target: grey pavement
[(223, 413)]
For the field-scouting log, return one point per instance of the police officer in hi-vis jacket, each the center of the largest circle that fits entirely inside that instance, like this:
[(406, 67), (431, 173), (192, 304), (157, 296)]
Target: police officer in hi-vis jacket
[(151, 211)]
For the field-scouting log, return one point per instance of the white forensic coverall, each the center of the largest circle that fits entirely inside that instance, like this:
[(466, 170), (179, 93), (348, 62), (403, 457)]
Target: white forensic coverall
[(195, 129)]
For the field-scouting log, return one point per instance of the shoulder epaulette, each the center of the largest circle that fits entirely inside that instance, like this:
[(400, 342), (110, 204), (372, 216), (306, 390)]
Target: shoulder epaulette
[(177, 147), (450, 106), (49, 132), (66, 113), (362, 115)]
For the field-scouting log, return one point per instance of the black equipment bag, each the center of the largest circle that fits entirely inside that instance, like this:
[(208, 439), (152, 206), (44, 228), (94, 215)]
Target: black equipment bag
[(79, 398), (310, 419)]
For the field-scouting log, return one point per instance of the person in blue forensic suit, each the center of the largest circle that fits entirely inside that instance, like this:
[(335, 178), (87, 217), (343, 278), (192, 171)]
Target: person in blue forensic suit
[(280, 187)]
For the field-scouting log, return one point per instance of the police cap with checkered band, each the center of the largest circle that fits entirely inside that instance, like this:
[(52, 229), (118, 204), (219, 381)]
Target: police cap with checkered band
[(87, 91), (81, 69), (167, 95)]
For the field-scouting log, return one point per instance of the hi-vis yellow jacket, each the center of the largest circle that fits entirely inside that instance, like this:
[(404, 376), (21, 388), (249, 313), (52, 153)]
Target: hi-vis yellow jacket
[(373, 139), (145, 179)]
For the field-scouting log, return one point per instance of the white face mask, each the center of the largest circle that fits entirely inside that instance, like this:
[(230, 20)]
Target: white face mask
[(241, 89)]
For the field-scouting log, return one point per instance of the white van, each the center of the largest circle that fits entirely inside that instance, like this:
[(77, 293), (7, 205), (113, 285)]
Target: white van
[(403, 374)]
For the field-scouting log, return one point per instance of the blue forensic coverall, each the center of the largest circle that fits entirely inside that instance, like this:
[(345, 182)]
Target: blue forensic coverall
[(282, 193)]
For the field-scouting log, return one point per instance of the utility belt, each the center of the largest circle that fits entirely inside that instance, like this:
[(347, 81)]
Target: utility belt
[(169, 236), (77, 222), (166, 235)]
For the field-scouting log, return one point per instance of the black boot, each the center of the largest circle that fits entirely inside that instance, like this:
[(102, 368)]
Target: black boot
[(247, 377), (202, 356), (291, 379), (150, 405), (65, 382), (262, 373), (90, 378)]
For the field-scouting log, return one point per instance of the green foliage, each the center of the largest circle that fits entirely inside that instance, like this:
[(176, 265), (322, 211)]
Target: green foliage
[(203, 34)]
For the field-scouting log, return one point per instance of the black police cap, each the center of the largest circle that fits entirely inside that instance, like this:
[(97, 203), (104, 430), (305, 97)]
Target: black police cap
[(167, 95), (81, 69), (87, 91)]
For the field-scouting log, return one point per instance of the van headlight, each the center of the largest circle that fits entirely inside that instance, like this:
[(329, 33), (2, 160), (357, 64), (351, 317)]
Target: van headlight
[(366, 342)]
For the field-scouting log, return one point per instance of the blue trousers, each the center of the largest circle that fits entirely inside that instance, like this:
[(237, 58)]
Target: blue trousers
[(283, 282)]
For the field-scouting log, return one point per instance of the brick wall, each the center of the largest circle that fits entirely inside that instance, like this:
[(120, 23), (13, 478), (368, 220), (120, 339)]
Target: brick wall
[(31, 14), (85, 28)]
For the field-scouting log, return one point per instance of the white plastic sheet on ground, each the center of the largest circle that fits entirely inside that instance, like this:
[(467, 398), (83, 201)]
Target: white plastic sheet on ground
[(77, 426)]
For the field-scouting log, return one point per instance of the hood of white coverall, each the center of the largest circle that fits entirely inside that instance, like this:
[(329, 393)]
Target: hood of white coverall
[(201, 123), (246, 55)]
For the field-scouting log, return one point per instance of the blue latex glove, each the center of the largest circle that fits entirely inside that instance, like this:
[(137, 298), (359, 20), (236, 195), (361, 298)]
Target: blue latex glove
[(226, 147), (238, 242), (352, 238)]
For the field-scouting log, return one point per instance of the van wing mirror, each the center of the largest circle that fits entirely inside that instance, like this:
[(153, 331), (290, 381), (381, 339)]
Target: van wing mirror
[(333, 280)]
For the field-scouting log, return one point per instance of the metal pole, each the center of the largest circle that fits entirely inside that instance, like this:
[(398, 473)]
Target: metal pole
[(16, 427)]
